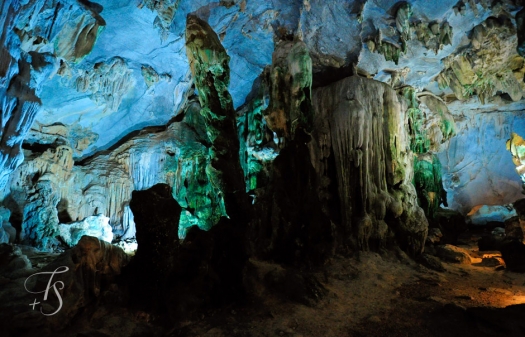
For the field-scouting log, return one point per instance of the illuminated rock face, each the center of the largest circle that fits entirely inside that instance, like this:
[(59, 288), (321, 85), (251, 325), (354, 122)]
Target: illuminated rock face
[(481, 215), (516, 146), (95, 226), (117, 96), (103, 185), (209, 66), (477, 168), (364, 129)]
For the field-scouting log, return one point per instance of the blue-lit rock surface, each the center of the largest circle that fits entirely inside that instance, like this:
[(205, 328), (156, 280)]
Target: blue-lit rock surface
[(89, 89), (257, 151), (96, 226), (477, 168), (481, 215)]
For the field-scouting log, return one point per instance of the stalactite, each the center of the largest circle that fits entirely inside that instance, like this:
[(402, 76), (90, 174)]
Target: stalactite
[(429, 184)]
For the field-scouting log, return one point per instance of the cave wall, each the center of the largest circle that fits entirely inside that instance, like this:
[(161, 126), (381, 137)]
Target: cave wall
[(75, 94), (477, 168), (174, 155)]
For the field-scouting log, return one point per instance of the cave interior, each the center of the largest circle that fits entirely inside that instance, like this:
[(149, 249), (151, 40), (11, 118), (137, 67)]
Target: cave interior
[(262, 168)]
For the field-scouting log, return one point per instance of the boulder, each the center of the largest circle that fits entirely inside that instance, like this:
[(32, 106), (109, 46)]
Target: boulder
[(434, 235), (82, 276), (453, 254), (431, 262), (96, 226), (483, 214)]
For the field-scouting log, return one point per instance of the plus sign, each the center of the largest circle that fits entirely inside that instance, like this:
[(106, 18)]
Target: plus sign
[(34, 303)]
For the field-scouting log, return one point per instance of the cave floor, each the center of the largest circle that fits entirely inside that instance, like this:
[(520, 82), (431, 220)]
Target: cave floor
[(374, 295), (368, 294)]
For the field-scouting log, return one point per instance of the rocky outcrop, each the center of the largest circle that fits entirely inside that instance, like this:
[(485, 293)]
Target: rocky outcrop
[(429, 184), (19, 101), (516, 146), (290, 85), (289, 225), (176, 278), (476, 169), (107, 83), (362, 124), (40, 224), (157, 216), (492, 64), (95, 226), (78, 36), (520, 23), (453, 254), (484, 214), (7, 231), (28, 59), (211, 72), (77, 279), (175, 155)]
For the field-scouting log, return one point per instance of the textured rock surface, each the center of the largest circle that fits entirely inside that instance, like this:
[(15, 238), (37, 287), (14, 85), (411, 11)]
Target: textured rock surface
[(86, 273), (209, 65), (516, 146), (74, 64), (176, 155), (483, 214), (454, 254), (7, 231), (40, 224), (362, 124), (220, 100), (95, 226), (290, 88), (477, 169)]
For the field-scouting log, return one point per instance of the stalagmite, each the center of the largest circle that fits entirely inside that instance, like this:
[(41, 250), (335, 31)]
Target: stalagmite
[(210, 69), (370, 143)]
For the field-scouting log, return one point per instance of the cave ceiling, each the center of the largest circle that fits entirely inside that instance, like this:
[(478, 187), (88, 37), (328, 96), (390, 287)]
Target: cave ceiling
[(130, 70)]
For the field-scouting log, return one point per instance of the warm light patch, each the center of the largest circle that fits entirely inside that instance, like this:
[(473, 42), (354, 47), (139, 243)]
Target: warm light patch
[(513, 300)]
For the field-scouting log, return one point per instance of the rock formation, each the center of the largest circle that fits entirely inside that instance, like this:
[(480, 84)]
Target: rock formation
[(211, 134), (85, 274), (367, 136), (516, 146), (210, 69)]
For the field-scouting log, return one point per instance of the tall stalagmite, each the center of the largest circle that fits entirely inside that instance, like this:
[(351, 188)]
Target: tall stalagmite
[(362, 122), (209, 65)]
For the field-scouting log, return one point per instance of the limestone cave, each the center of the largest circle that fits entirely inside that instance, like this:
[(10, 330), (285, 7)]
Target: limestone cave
[(242, 168)]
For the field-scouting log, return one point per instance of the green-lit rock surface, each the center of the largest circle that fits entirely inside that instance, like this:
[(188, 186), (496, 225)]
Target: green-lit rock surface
[(211, 72)]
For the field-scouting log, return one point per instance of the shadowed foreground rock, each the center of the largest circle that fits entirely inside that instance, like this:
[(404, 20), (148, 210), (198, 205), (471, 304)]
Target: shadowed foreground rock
[(84, 275), (511, 245), (179, 278), (157, 217)]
